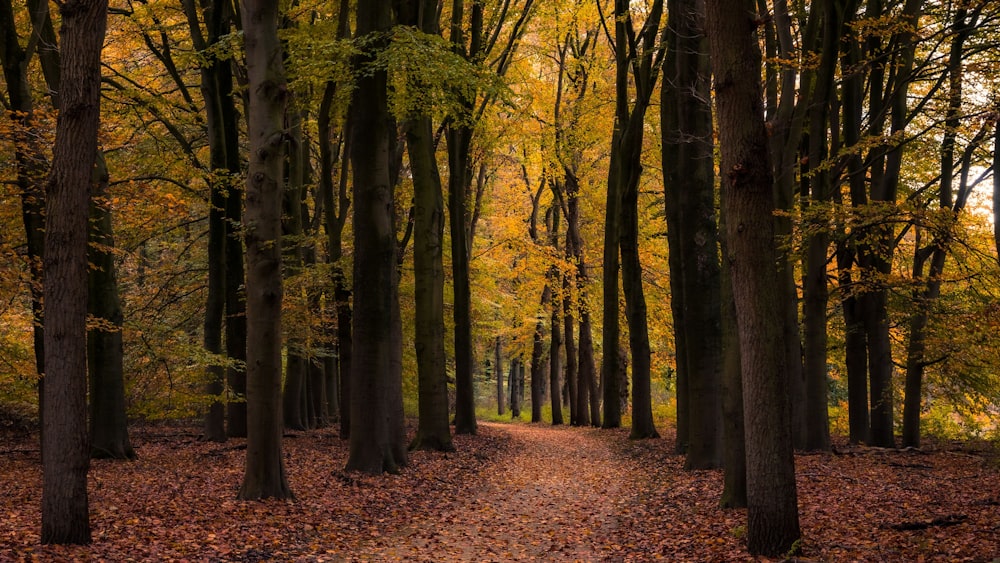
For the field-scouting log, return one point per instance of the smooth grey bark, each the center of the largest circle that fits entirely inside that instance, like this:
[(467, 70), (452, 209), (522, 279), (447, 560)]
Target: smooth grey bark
[(264, 474), (65, 444), (772, 514)]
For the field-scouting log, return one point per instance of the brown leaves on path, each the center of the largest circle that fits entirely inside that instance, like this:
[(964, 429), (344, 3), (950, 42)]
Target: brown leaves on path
[(513, 493)]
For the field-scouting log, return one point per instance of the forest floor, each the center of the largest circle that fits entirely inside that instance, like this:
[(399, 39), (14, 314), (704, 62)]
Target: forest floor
[(515, 492)]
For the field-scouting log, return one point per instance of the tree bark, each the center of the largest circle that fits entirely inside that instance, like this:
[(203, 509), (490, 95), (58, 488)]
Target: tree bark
[(108, 420), (689, 182), (433, 432), (772, 515), (373, 449), (264, 475), (65, 447)]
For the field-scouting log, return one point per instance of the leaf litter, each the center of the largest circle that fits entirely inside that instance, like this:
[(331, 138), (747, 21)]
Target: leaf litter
[(514, 492)]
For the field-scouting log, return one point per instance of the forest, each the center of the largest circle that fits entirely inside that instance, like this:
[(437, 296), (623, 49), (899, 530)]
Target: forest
[(571, 280)]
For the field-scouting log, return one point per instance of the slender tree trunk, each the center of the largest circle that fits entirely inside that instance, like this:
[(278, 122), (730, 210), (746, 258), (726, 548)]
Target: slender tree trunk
[(29, 158), (65, 447), (537, 347), (816, 179), (433, 431), (108, 421), (498, 373), (264, 474), (772, 515), (855, 339), (512, 384), (924, 298), (295, 392), (555, 360)]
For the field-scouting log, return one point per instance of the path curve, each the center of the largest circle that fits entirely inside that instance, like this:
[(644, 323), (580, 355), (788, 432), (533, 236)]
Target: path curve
[(556, 498)]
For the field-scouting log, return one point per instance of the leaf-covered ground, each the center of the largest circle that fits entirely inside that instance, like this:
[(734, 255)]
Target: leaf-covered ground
[(513, 493)]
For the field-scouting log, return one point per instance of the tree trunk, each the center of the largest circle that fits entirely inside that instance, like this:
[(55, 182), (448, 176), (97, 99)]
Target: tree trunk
[(512, 385), (433, 432), (855, 339), (264, 474), (817, 185), (295, 393), (498, 373), (689, 180), (555, 358), (570, 346), (65, 517), (537, 348), (372, 447), (108, 421), (30, 164), (772, 515), (734, 454)]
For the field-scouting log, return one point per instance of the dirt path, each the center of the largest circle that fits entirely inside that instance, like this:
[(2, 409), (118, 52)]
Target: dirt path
[(558, 498)]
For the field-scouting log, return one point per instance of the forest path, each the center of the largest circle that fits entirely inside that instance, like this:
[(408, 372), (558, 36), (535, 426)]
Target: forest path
[(557, 498)]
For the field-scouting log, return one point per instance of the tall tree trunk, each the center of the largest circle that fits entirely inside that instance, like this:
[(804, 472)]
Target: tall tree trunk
[(537, 349), (855, 339), (29, 159), (512, 384), (924, 297), (555, 357), (433, 431), (772, 515), (335, 206), (569, 342), (459, 139), (689, 180), (264, 474), (65, 447), (108, 421), (372, 441), (295, 393), (817, 185), (498, 373), (636, 54), (216, 90)]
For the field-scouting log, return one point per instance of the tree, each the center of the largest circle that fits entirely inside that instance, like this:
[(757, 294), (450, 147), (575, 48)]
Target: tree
[(29, 158), (374, 448), (636, 54), (692, 235), (264, 475), (772, 514), (433, 432), (65, 447), (108, 421)]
